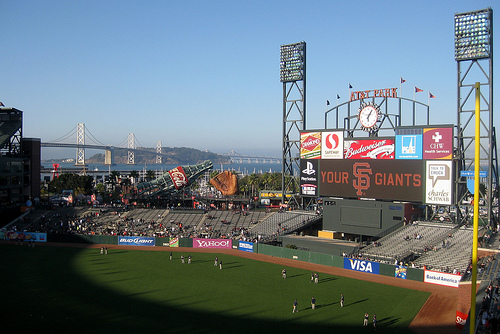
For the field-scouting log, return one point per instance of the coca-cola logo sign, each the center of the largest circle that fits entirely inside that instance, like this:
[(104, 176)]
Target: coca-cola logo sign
[(211, 243), (179, 178)]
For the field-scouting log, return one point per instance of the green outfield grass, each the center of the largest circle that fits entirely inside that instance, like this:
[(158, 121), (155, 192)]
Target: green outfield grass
[(72, 290)]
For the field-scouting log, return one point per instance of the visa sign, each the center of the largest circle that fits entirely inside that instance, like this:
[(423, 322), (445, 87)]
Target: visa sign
[(361, 265)]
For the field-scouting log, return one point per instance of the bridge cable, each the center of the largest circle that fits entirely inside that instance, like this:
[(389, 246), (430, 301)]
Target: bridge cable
[(72, 132), (92, 137)]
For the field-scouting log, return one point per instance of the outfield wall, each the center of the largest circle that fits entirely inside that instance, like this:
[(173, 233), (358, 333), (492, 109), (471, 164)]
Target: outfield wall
[(330, 260)]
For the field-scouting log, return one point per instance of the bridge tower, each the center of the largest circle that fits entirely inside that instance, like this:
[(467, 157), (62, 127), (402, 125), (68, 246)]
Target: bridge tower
[(293, 77), (158, 152), (80, 143), (131, 148)]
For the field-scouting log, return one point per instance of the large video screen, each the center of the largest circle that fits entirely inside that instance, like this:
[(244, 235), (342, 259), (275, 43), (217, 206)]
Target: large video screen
[(380, 179)]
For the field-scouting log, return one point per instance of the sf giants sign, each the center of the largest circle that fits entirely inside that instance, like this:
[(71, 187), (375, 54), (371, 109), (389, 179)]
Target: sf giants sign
[(380, 179), (178, 177)]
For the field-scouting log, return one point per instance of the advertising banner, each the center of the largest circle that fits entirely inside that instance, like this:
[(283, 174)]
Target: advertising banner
[(246, 246), (409, 146), (438, 143), (361, 265), (401, 180), (310, 145), (436, 277), (461, 320), (332, 145), (26, 236), (400, 272), (309, 177), (438, 182), (212, 243), (369, 149), (174, 242), (178, 177), (136, 241)]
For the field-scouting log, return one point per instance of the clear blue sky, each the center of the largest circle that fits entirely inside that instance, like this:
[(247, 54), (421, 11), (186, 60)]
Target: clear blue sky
[(205, 74)]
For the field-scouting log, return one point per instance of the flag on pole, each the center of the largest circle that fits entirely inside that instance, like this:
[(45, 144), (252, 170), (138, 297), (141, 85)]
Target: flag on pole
[(417, 90), (1, 104), (403, 80), (431, 96), (338, 97), (327, 102), (350, 85)]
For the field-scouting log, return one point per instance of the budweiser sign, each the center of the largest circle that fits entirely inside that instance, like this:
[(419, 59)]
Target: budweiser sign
[(178, 177), (369, 149)]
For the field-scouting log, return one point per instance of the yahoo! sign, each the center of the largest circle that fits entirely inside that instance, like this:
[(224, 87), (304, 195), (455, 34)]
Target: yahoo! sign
[(212, 243)]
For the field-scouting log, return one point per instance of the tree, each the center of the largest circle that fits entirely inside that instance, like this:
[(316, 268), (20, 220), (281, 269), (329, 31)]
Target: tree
[(80, 184)]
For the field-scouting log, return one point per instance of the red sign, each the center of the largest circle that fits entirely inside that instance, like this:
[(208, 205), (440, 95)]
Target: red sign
[(178, 177), (369, 149), (437, 143), (461, 319)]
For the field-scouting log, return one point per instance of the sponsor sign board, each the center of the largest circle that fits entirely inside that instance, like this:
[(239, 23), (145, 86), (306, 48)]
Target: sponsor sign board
[(332, 145), (179, 178), (309, 177), (361, 265), (437, 143), (369, 149), (136, 241), (461, 319), (438, 182), (400, 272), (174, 242), (409, 146), (212, 243), (380, 179), (245, 246), (26, 236), (436, 277), (310, 145)]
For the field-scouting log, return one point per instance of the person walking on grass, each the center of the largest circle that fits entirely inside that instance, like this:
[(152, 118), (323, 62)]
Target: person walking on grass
[(365, 321), (313, 303), (295, 304), (341, 300)]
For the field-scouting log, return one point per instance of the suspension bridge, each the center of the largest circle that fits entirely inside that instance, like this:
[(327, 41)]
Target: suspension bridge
[(81, 138)]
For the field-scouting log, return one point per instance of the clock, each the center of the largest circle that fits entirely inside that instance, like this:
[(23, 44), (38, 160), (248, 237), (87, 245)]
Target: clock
[(369, 115)]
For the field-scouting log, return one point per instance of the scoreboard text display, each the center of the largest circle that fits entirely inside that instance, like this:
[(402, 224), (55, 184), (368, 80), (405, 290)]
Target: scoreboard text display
[(398, 179)]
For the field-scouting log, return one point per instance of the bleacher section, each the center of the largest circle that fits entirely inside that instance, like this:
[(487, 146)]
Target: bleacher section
[(281, 223)]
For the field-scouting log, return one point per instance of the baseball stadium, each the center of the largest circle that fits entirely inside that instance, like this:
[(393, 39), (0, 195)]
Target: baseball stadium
[(385, 222)]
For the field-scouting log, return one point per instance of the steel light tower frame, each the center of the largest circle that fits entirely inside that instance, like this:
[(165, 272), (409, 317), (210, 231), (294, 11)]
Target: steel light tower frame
[(474, 57), (293, 77), (131, 149)]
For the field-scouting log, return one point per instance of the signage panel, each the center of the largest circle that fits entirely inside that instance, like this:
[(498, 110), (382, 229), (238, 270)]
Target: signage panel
[(136, 241), (438, 182), (212, 243), (438, 143), (310, 145), (361, 265), (332, 145), (380, 179), (246, 246), (436, 277), (309, 177), (409, 146), (369, 149)]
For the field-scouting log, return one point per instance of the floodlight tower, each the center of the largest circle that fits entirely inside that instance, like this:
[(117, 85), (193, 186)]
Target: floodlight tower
[(474, 57), (293, 77)]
